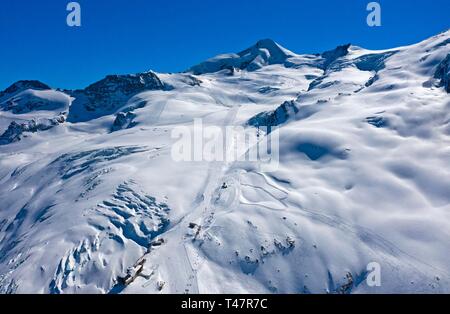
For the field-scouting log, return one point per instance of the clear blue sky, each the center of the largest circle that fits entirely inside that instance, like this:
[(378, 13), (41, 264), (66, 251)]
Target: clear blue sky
[(128, 36)]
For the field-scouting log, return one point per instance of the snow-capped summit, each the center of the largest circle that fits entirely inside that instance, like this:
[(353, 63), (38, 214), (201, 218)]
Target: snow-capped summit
[(109, 94), (332, 55)]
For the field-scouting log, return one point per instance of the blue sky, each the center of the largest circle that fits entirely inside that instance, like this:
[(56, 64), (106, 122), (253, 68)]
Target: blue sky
[(127, 36)]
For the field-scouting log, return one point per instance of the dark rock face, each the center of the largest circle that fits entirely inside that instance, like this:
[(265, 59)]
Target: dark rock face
[(28, 96), (15, 130), (108, 95), (20, 86), (101, 98), (443, 73), (318, 83), (330, 61), (373, 62), (275, 55), (378, 121), (274, 118)]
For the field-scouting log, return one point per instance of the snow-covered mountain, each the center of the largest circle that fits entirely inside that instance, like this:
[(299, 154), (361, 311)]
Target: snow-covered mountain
[(92, 201)]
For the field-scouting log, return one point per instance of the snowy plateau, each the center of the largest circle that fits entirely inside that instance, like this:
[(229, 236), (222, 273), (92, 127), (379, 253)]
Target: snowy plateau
[(91, 200)]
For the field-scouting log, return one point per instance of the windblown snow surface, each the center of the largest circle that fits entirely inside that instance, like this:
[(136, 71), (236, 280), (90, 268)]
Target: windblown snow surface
[(89, 188)]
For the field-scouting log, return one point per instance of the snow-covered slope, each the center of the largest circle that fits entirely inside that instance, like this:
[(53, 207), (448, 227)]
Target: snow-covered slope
[(264, 52), (363, 176)]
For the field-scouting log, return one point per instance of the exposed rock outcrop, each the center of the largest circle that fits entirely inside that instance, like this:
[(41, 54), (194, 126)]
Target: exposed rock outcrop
[(443, 73), (274, 118), (123, 121), (15, 131)]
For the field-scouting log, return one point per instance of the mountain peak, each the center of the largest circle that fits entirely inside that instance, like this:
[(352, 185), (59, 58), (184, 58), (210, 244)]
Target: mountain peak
[(332, 55), (267, 48)]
